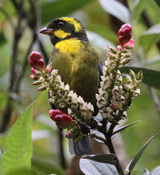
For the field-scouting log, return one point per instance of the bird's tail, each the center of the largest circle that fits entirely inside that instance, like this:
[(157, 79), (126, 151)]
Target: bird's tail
[(82, 147)]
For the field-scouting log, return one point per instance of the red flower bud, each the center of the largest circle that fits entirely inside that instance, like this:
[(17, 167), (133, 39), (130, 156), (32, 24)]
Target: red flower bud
[(34, 72), (36, 61), (54, 112), (62, 119), (124, 34)]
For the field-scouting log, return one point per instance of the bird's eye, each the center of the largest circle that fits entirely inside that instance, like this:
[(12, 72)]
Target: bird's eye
[(60, 24)]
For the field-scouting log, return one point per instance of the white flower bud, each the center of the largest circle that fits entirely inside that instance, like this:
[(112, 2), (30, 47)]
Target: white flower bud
[(74, 98), (54, 72), (137, 92), (66, 88), (128, 79), (70, 94), (80, 100)]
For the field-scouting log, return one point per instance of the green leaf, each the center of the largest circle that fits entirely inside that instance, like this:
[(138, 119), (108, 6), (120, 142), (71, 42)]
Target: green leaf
[(102, 158), (151, 77), (91, 167), (158, 2), (2, 139), (52, 10), (124, 127), (42, 165), (156, 171), (146, 172), (116, 9), (139, 9), (23, 171), (17, 151), (136, 158), (150, 37)]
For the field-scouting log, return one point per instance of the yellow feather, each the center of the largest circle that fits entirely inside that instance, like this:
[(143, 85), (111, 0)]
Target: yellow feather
[(69, 46), (61, 34), (73, 21)]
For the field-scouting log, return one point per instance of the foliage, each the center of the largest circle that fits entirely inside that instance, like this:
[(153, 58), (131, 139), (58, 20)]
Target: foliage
[(19, 24)]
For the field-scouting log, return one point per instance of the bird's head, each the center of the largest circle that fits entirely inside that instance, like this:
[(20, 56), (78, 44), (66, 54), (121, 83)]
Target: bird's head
[(64, 28)]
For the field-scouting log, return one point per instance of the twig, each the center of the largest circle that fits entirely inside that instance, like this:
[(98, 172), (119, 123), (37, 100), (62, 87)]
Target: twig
[(61, 150), (111, 149), (25, 64)]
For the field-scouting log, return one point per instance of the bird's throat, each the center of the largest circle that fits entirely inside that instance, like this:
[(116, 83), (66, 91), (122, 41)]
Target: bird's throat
[(69, 46)]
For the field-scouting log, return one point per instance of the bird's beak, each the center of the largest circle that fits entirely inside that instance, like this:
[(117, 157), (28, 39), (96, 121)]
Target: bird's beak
[(47, 31)]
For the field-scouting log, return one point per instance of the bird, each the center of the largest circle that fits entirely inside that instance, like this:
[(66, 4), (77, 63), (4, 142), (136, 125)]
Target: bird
[(77, 62)]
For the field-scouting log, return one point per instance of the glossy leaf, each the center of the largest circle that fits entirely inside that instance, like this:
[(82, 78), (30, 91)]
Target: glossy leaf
[(55, 9), (18, 144), (124, 127), (136, 158), (116, 9), (102, 158), (150, 77), (156, 171), (91, 167), (150, 37), (146, 172)]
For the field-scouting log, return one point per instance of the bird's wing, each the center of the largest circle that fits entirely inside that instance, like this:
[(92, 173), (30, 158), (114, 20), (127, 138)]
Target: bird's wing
[(96, 110)]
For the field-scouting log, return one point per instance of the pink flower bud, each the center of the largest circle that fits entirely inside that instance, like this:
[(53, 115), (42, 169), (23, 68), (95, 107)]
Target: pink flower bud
[(32, 76), (36, 61), (47, 70), (68, 135), (119, 48), (72, 133), (124, 34), (130, 44)]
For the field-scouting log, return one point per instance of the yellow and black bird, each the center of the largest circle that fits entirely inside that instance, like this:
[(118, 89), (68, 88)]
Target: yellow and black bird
[(77, 62)]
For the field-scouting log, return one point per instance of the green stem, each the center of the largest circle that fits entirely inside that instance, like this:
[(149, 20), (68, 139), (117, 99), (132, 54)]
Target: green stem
[(111, 149)]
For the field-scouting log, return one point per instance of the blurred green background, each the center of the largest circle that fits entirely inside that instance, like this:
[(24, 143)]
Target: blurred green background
[(20, 22)]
